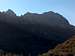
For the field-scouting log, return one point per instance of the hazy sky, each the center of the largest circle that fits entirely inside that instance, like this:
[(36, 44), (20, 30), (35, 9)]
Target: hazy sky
[(64, 7)]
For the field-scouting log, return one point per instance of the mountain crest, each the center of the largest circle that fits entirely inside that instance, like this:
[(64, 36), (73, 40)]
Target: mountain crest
[(10, 12), (50, 12)]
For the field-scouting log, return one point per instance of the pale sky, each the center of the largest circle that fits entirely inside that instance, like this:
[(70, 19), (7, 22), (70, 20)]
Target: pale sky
[(64, 7)]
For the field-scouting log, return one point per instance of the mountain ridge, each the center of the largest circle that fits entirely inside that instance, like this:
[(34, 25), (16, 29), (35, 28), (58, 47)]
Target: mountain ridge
[(40, 31)]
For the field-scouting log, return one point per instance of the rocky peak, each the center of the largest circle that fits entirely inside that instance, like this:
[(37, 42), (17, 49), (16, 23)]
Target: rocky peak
[(10, 12), (28, 14)]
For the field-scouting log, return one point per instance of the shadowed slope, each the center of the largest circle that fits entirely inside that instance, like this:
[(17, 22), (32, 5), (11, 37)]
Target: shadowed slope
[(33, 33)]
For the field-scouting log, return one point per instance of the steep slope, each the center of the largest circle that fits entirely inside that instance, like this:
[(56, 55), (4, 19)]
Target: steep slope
[(66, 48), (10, 12)]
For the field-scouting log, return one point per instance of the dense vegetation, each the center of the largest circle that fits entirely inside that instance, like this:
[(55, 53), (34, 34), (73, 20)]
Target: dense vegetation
[(66, 48)]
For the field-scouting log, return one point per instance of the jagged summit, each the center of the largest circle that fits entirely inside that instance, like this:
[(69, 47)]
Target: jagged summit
[(50, 18), (10, 12)]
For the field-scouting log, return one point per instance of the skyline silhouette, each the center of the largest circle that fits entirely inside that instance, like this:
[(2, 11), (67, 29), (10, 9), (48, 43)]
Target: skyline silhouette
[(63, 7)]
